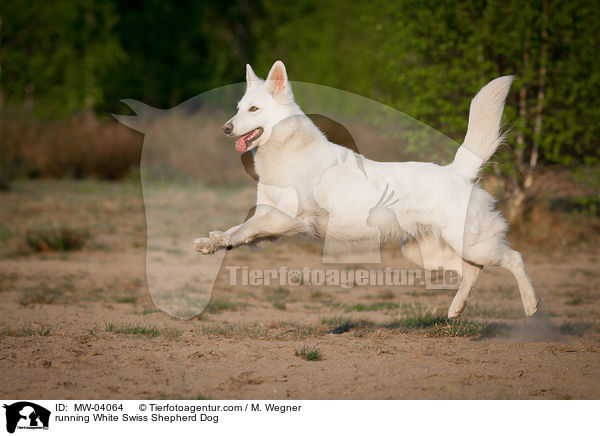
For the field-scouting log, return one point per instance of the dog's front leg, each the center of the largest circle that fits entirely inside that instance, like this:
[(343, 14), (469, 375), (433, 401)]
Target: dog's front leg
[(267, 222), (216, 240)]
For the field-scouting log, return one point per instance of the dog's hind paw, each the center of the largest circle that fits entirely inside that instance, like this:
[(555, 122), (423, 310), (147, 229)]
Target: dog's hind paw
[(453, 314), (531, 305), (456, 309)]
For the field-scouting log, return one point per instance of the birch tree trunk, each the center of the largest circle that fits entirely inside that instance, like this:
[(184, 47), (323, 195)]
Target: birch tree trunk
[(525, 174), (515, 203)]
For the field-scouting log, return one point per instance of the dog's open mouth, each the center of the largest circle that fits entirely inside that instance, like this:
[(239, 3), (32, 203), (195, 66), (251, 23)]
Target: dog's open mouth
[(244, 141)]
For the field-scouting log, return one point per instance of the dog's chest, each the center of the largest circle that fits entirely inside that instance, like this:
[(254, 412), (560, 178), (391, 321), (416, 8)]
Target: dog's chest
[(275, 166)]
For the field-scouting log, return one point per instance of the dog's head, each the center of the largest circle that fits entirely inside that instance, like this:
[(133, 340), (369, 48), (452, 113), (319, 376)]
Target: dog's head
[(263, 106)]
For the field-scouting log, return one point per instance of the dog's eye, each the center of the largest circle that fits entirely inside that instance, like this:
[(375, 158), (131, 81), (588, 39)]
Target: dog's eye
[(253, 109)]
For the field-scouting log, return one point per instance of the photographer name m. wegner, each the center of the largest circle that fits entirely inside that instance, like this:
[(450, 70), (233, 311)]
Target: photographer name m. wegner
[(345, 278)]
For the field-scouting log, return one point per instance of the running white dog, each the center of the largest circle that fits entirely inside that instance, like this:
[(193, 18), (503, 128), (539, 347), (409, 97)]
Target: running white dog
[(438, 213)]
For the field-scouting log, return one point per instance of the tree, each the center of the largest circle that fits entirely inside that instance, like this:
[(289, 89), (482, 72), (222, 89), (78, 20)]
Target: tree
[(54, 53), (438, 54)]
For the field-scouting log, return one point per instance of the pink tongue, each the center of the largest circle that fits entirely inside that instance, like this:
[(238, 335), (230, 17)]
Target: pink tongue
[(240, 144)]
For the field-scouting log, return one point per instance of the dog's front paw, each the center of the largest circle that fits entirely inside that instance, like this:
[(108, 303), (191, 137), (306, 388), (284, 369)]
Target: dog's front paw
[(205, 245), (215, 241), (219, 238)]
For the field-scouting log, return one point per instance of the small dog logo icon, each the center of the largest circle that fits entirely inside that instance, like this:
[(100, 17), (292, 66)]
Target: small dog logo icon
[(26, 415)]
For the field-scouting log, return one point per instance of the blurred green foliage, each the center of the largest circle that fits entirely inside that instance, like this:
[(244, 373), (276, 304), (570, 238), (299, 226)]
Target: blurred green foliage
[(424, 57)]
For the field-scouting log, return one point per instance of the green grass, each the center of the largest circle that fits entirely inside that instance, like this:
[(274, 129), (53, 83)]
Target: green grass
[(126, 300), (149, 311), (434, 326), (279, 305), (461, 328), (309, 353), (218, 306), (132, 329), (373, 307), (417, 322), (43, 331), (56, 237), (26, 331), (427, 323)]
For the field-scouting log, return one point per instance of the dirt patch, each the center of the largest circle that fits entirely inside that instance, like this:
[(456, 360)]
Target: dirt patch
[(80, 324)]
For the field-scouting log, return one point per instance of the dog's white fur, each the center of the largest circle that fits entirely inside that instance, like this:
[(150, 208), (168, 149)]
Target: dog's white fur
[(441, 216)]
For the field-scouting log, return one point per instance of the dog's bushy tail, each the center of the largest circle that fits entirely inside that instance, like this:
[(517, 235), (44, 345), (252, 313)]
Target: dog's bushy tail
[(483, 133)]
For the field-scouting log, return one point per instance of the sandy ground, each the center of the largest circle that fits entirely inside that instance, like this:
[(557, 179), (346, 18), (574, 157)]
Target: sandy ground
[(81, 324)]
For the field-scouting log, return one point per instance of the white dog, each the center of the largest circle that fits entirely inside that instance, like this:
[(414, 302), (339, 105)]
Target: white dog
[(438, 213)]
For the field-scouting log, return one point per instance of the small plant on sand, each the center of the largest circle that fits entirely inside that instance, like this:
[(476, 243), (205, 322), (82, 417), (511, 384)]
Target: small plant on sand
[(309, 353), (56, 237), (132, 329), (26, 331), (460, 328)]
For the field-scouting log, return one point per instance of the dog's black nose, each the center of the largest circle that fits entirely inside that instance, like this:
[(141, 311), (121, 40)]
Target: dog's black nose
[(228, 128)]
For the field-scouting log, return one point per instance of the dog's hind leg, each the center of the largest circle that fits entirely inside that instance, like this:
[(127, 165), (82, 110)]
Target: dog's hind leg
[(470, 273), (512, 261), (431, 253), (497, 252)]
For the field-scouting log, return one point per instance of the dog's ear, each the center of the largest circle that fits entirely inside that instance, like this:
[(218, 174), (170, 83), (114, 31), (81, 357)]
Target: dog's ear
[(278, 84), (251, 78)]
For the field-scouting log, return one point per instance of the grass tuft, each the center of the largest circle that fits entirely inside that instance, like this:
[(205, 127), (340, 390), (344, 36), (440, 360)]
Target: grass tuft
[(26, 331), (435, 326), (373, 307), (56, 237), (132, 329), (126, 299), (460, 328), (309, 353), (218, 306)]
